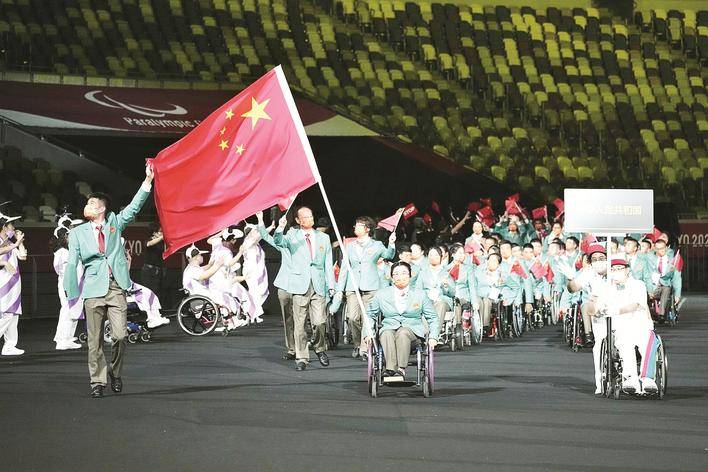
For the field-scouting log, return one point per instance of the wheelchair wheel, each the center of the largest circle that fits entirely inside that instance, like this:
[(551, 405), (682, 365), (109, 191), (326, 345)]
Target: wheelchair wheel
[(107, 332), (369, 367), (662, 371), (133, 338), (518, 321), (605, 369), (458, 336), (197, 315), (430, 370), (83, 338), (145, 336), (477, 330), (426, 387)]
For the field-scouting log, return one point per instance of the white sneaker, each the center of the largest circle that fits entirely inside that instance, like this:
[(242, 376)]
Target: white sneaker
[(598, 391), (12, 351), (649, 385), (68, 345), (631, 385), (155, 322), (219, 329), (238, 322), (258, 319)]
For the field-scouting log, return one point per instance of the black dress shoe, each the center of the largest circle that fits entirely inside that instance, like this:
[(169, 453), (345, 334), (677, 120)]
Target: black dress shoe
[(116, 383), (97, 391), (589, 340), (300, 366), (389, 373), (289, 356), (324, 360)]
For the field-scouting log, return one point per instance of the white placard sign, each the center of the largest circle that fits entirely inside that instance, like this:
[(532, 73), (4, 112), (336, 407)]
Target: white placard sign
[(609, 211)]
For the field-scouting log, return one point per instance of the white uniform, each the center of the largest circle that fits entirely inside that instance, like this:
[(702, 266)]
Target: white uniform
[(254, 269), (10, 301), (71, 310), (632, 330)]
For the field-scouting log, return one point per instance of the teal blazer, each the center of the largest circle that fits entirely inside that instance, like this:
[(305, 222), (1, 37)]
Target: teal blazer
[(515, 288), (671, 277), (83, 248), (466, 284), (305, 269), (281, 279), (418, 307), (364, 265), (427, 281)]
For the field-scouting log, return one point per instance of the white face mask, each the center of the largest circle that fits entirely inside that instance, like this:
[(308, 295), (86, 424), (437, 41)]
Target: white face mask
[(599, 266), (619, 276)]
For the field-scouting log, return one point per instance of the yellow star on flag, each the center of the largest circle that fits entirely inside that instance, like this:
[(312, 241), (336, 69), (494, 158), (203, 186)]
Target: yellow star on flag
[(257, 111), (224, 144), (240, 149), (229, 114)]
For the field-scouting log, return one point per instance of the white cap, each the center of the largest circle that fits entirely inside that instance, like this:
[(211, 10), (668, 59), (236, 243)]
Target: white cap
[(236, 233), (193, 251)]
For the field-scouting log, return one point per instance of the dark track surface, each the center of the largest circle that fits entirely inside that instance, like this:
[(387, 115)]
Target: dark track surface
[(231, 404)]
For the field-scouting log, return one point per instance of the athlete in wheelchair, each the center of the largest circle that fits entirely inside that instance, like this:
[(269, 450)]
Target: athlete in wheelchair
[(202, 310), (436, 282), (632, 359), (663, 281), (402, 321)]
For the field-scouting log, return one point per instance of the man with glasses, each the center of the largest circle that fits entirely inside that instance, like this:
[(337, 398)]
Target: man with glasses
[(311, 281)]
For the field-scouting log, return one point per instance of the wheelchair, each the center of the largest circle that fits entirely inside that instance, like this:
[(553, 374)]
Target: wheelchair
[(611, 368), (136, 325), (498, 324), (555, 308), (671, 313), (450, 331), (574, 328), (472, 326), (198, 315), (424, 362)]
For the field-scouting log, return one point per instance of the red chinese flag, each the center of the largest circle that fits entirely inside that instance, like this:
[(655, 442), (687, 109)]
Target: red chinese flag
[(435, 207), (678, 261), (409, 211), (512, 208), (537, 269), (248, 155), (391, 222), (560, 206), (540, 212), (287, 202), (549, 273), (518, 270), (455, 272), (336, 269), (486, 215), (472, 207)]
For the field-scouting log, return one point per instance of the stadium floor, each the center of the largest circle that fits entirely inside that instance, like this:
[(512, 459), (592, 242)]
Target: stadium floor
[(231, 404)]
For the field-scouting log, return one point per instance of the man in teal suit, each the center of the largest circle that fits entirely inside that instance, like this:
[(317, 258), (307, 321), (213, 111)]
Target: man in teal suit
[(661, 276), (364, 254), (402, 309), (97, 245), (311, 281)]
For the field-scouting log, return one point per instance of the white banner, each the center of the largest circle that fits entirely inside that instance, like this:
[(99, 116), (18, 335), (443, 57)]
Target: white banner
[(605, 211)]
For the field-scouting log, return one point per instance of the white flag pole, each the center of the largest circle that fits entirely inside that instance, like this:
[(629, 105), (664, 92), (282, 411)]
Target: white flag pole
[(290, 102)]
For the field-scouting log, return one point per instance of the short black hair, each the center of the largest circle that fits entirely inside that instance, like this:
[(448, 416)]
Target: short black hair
[(438, 249), (557, 242), (494, 249), (495, 255), (528, 246), (574, 239), (456, 247), (536, 240), (366, 221), (103, 197), (404, 247), (504, 242), (401, 263)]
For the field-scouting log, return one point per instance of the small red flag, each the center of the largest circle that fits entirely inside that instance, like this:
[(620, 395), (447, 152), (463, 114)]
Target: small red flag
[(512, 207), (678, 261), (248, 155), (486, 215), (537, 269), (517, 269), (287, 202), (336, 271), (455, 272), (549, 273), (587, 241), (560, 207), (472, 207), (427, 218), (409, 211), (472, 247), (391, 222), (435, 207), (540, 212)]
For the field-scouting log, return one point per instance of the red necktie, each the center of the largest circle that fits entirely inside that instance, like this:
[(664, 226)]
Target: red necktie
[(661, 265), (101, 240), (309, 243)]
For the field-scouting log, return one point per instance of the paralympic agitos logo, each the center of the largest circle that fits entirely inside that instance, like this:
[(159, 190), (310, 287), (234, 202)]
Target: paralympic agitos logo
[(100, 98)]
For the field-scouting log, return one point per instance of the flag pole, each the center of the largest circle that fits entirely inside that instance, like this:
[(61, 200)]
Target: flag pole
[(345, 261)]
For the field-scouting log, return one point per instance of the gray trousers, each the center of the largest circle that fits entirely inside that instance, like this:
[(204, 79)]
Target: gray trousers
[(485, 309), (355, 316), (113, 306), (312, 304), (396, 345), (286, 307), (662, 293)]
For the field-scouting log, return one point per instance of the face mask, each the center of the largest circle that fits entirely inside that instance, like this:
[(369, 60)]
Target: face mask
[(619, 276), (599, 266)]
